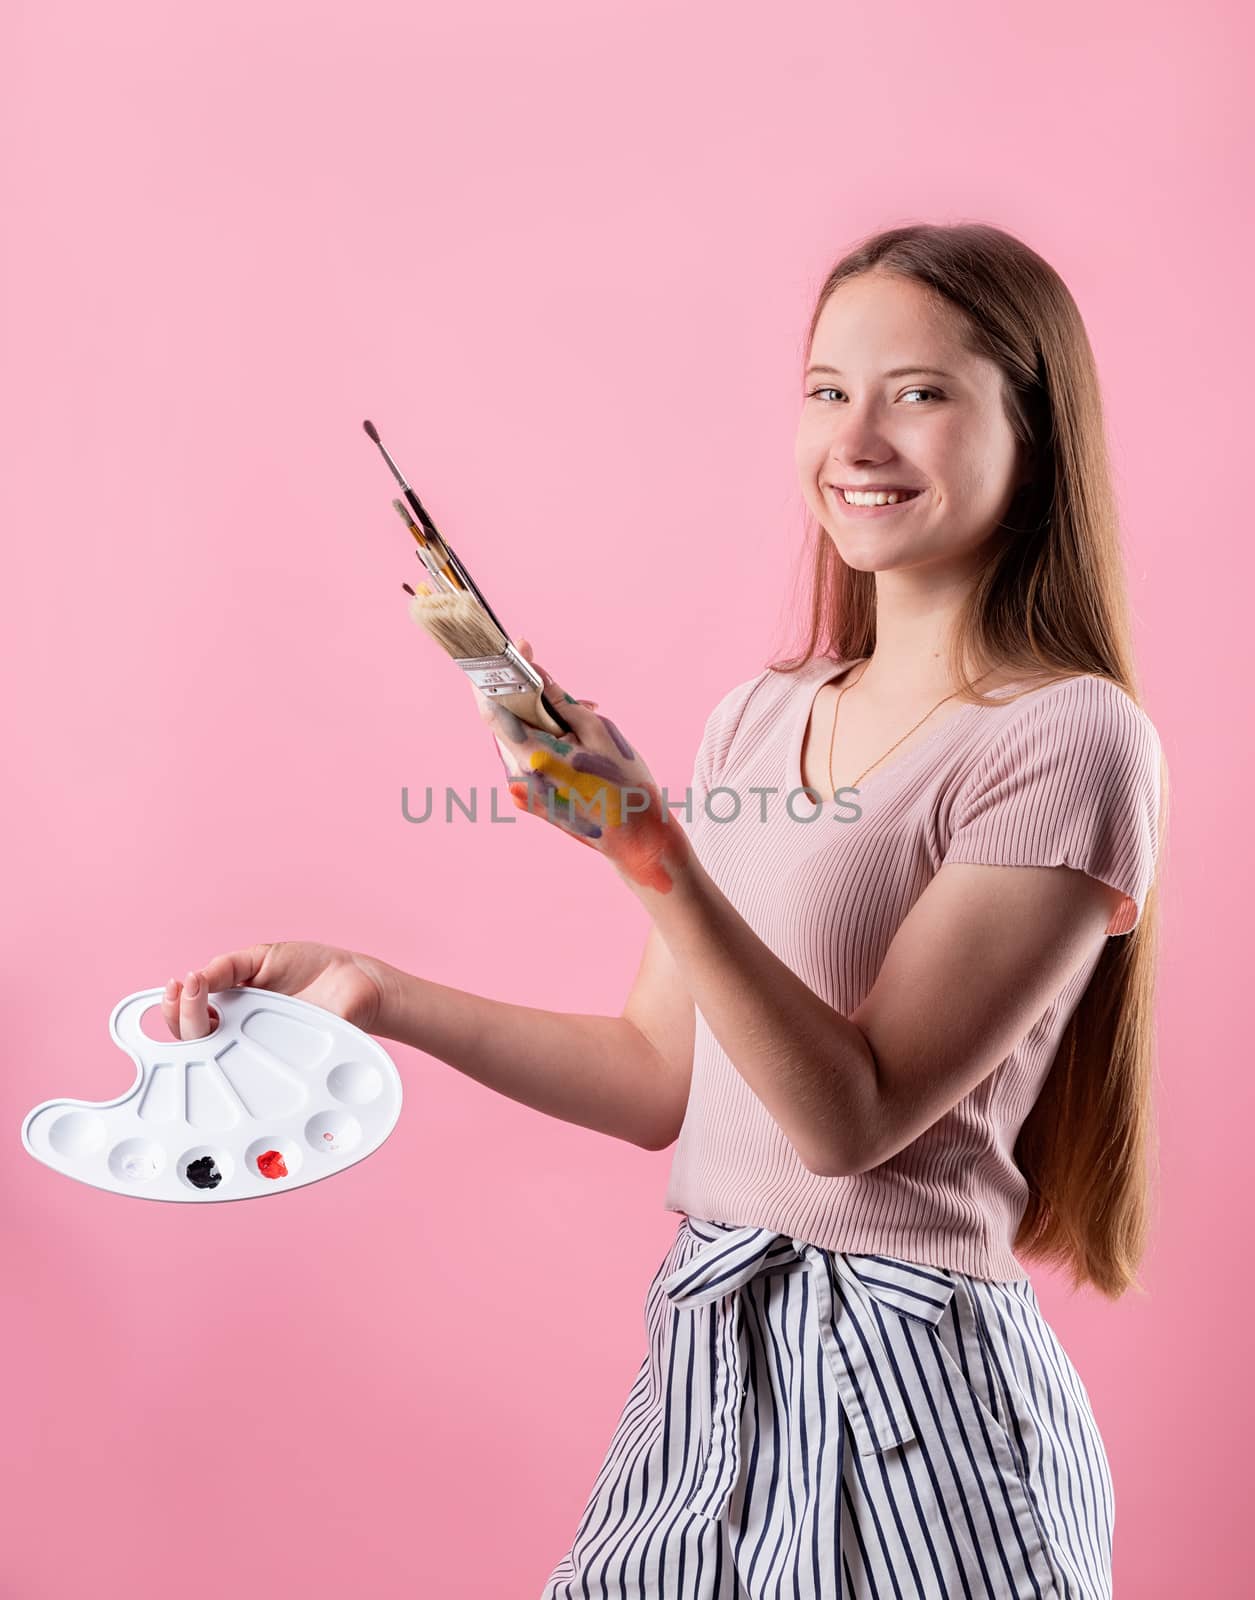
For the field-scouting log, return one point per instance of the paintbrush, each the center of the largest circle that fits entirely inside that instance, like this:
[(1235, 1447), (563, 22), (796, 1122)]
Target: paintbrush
[(465, 626), (436, 561)]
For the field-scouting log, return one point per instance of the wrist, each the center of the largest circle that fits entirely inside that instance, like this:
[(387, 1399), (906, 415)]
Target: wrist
[(672, 872), (391, 984)]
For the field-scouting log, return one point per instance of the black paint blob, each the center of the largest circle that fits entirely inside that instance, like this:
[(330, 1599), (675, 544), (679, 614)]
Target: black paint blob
[(203, 1174)]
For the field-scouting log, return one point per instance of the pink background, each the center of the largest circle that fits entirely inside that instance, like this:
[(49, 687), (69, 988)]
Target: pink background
[(564, 257)]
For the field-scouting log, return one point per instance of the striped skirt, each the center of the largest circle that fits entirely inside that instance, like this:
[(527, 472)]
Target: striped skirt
[(810, 1423)]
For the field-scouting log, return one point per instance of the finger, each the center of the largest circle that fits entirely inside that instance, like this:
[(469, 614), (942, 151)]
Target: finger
[(532, 792), (170, 1006), (585, 721), (551, 687), (194, 1007), (234, 969), (512, 770), (543, 798), (525, 649)]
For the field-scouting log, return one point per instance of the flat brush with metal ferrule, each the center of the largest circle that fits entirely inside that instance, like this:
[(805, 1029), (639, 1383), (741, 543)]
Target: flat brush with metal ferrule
[(458, 617)]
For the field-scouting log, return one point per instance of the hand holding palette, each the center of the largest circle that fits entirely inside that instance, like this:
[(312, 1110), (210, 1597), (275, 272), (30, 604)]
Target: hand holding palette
[(281, 1094)]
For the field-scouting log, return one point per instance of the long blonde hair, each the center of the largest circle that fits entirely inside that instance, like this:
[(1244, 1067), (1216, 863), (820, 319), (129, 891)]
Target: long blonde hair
[(1051, 602)]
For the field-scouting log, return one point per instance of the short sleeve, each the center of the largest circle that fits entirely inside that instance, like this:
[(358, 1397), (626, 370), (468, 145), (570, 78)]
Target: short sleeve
[(1074, 781), (717, 736)]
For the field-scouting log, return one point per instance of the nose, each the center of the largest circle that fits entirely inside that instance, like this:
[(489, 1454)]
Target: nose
[(858, 438)]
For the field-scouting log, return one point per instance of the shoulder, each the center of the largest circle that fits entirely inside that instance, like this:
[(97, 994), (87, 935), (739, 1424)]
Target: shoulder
[(1086, 709), (1082, 728), (1071, 774), (753, 697)]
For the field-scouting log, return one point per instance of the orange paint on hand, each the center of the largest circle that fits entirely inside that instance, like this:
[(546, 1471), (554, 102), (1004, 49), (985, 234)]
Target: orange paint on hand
[(649, 852)]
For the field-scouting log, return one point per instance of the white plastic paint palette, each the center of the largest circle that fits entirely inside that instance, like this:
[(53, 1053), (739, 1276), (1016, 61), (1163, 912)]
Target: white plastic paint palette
[(281, 1094)]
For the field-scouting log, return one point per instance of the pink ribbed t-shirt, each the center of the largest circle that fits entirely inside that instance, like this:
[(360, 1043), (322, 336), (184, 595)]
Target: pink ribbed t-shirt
[(1068, 775)]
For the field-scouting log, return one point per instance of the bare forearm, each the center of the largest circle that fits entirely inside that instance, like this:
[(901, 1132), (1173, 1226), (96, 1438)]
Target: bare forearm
[(598, 1072), (810, 1066)]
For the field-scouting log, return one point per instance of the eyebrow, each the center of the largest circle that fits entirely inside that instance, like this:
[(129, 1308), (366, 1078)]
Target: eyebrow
[(894, 372)]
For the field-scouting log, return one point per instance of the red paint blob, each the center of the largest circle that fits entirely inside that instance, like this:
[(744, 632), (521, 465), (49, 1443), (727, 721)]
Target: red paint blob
[(271, 1164)]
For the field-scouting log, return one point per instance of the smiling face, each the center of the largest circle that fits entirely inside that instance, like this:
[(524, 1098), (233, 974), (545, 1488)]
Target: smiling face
[(947, 437)]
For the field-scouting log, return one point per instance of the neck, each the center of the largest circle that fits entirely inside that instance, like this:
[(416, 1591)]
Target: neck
[(910, 664)]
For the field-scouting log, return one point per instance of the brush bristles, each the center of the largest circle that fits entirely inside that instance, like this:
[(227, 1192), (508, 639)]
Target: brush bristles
[(407, 517), (458, 624)]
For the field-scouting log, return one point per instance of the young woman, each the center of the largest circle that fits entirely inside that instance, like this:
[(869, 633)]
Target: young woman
[(896, 1002)]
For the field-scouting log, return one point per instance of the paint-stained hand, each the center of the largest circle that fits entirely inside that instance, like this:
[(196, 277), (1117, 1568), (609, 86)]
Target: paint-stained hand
[(592, 784)]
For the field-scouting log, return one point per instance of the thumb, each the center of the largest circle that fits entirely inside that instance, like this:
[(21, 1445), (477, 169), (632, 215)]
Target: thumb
[(524, 648)]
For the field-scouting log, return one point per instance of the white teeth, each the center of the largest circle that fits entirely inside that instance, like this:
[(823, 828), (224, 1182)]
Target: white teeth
[(853, 498)]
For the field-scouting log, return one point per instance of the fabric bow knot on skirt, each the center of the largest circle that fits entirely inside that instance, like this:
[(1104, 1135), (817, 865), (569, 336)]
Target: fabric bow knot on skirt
[(808, 1421), (851, 1338)]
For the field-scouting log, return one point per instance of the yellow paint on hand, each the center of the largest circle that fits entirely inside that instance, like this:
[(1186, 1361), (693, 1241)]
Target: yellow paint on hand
[(586, 784)]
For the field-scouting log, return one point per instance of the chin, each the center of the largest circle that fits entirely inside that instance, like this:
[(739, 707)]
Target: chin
[(874, 552), (865, 558)]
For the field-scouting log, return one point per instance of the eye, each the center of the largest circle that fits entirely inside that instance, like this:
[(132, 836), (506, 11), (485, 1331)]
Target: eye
[(936, 393)]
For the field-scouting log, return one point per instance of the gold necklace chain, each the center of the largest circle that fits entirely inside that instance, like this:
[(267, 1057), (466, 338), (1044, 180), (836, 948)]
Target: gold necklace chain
[(832, 735)]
